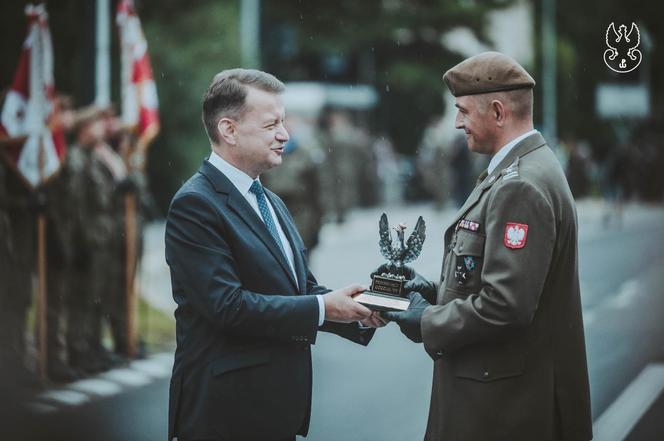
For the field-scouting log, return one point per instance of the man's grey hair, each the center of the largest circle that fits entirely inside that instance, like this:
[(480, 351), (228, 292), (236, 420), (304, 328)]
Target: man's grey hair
[(227, 93), (519, 101)]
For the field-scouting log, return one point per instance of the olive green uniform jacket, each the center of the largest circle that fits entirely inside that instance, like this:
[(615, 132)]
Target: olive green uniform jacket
[(507, 333)]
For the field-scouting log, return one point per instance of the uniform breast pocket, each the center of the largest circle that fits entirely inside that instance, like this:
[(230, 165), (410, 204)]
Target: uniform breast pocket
[(468, 255)]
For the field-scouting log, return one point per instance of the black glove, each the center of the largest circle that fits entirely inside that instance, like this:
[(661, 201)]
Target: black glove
[(423, 286), (410, 320)]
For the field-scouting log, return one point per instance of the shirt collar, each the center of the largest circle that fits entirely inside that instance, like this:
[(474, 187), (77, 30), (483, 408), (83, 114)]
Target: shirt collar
[(502, 153), (240, 179)]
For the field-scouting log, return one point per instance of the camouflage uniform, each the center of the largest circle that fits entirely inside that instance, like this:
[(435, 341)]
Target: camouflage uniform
[(433, 162), (17, 254), (109, 221), (58, 255), (296, 181), (340, 176), (83, 189)]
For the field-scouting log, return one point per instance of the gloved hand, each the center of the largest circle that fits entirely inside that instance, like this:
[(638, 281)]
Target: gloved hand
[(423, 286), (409, 321), (414, 281)]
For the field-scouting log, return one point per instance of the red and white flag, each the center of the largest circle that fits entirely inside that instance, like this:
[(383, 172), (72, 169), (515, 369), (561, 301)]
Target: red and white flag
[(140, 106), (36, 149)]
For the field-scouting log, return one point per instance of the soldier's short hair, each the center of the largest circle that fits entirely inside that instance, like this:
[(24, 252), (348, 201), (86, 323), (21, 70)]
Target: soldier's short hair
[(227, 93), (519, 101)]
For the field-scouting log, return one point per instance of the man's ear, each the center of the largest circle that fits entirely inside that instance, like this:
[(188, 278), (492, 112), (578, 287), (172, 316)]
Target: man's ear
[(498, 112), (227, 130)]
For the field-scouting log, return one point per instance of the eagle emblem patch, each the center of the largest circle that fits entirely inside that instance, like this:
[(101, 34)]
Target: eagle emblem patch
[(515, 235)]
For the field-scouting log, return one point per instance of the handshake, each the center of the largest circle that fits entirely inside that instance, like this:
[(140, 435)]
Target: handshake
[(340, 306)]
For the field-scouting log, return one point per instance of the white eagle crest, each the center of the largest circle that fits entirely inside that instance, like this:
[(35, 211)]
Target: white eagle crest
[(515, 235), (617, 42)]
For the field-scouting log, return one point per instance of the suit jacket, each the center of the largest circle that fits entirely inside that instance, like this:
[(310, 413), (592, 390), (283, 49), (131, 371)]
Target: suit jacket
[(243, 327), (507, 333)]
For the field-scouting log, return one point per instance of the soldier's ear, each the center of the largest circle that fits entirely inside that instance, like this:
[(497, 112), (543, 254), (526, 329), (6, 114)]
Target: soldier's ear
[(227, 130), (498, 112)]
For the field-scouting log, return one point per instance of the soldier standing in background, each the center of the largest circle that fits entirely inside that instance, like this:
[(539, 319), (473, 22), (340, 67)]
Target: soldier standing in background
[(12, 325), (17, 219), (89, 234), (340, 142), (110, 214), (58, 256), (433, 162), (297, 182), (461, 170)]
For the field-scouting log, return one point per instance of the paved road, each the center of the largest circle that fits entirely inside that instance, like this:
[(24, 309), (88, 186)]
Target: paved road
[(381, 393)]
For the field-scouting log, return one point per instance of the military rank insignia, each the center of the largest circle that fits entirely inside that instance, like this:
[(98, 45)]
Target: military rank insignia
[(464, 267), (515, 235)]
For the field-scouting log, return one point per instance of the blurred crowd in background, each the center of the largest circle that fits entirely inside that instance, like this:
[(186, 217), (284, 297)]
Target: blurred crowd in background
[(84, 210)]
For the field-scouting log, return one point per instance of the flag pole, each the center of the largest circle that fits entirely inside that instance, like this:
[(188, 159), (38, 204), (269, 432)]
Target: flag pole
[(130, 237), (140, 115), (42, 299)]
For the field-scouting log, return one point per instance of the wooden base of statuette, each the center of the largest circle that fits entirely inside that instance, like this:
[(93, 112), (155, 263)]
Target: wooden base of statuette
[(384, 295)]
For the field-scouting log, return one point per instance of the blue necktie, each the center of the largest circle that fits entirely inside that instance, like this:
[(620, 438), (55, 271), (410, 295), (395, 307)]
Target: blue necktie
[(257, 189)]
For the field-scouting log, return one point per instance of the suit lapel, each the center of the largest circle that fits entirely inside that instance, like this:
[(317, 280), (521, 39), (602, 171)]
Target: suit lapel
[(524, 147), (241, 207), (291, 234)]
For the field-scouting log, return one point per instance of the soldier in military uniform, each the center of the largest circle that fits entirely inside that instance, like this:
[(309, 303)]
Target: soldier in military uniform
[(109, 218), (504, 325), (344, 154), (433, 162), (297, 182), (17, 254), (90, 234)]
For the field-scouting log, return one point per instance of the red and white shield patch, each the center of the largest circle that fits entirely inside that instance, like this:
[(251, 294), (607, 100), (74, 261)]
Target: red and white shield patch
[(515, 235)]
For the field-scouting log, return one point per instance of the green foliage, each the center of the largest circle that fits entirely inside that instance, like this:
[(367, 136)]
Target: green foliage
[(188, 45)]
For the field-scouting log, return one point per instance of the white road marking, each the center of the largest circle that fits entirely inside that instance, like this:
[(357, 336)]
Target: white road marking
[(139, 373), (96, 386), (127, 377), (66, 397), (153, 368), (616, 423)]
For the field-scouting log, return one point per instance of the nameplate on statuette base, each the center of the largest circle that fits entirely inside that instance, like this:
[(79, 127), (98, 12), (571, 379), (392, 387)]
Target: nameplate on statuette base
[(385, 294)]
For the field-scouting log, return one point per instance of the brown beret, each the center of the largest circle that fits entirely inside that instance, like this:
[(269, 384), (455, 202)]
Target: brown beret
[(485, 73)]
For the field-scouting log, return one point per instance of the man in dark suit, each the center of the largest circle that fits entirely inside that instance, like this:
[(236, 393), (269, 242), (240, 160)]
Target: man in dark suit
[(503, 324), (248, 306)]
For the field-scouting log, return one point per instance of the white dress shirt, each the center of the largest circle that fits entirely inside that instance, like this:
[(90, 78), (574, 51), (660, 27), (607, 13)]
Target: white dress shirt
[(502, 153), (242, 182)]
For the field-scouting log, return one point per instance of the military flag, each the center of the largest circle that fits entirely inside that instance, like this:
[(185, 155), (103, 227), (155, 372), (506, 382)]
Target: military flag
[(140, 105), (35, 145)]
